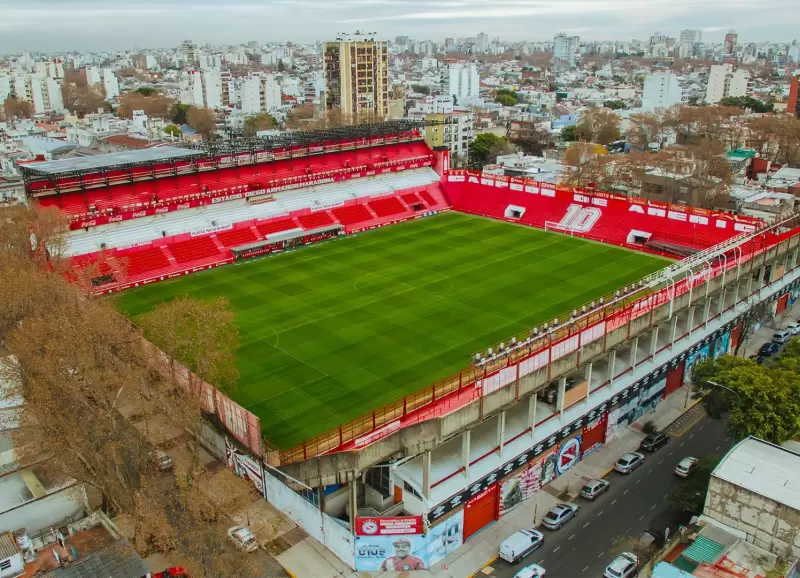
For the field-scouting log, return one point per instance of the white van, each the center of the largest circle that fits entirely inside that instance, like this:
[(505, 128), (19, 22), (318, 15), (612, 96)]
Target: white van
[(520, 544)]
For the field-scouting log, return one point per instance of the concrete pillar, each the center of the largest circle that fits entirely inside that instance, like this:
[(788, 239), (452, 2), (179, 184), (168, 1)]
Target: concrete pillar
[(634, 351), (465, 441), (722, 295), (612, 365), (793, 259), (690, 319), (532, 400), (654, 343), (562, 389), (353, 498), (673, 331), (588, 376), (426, 474), (762, 276), (706, 312), (501, 432)]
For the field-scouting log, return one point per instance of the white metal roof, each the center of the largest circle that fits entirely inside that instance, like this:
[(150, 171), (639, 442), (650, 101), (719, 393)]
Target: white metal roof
[(765, 469)]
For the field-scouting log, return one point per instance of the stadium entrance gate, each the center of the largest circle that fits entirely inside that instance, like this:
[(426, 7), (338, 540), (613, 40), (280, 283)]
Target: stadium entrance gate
[(481, 511), (285, 240)]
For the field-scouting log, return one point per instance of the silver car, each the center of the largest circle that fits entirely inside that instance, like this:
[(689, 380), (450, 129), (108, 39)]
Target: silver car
[(629, 462), (560, 515), (594, 488), (624, 566)]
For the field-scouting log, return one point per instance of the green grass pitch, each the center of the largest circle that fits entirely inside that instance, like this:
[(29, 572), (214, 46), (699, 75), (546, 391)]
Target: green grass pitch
[(332, 331)]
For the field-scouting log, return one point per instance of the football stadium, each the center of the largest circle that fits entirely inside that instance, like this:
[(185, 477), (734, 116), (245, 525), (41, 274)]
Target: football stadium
[(369, 279)]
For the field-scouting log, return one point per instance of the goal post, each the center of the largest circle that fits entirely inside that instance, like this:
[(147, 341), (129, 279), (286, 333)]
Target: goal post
[(556, 226)]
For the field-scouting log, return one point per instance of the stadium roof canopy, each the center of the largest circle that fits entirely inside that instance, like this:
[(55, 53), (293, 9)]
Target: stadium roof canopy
[(125, 158)]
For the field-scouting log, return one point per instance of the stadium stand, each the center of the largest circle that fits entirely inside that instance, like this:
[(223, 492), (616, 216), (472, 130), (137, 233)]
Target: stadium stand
[(277, 226), (236, 237), (193, 249), (387, 207), (145, 260), (138, 231), (411, 199), (608, 218), (352, 214), (315, 220)]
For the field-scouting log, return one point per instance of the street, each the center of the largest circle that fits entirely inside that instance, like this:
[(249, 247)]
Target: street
[(584, 546)]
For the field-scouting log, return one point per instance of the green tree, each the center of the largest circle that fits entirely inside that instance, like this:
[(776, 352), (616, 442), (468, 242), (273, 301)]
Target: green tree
[(746, 102), (421, 88), (690, 494), (506, 97), (486, 146), (147, 91), (766, 402), (178, 113), (569, 133), (258, 122), (615, 104), (173, 130)]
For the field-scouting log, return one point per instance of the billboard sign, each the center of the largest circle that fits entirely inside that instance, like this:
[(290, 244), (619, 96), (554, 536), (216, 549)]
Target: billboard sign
[(389, 526)]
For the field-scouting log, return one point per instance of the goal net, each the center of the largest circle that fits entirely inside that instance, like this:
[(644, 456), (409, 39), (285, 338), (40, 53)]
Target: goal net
[(556, 226)]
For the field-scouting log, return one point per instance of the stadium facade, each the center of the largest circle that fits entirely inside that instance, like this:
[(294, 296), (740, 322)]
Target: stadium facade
[(440, 464)]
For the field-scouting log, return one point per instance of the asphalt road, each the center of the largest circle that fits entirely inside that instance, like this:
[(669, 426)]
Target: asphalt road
[(584, 546)]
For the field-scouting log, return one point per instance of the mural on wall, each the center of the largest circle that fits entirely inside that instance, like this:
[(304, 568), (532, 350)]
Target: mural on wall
[(693, 358), (244, 466), (523, 485), (402, 553), (722, 344)]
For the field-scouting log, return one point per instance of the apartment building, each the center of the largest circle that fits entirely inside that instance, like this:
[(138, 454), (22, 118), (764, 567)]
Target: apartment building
[(202, 88), (724, 82), (43, 92), (357, 75), (454, 130), (259, 93), (462, 83), (565, 48), (661, 90)]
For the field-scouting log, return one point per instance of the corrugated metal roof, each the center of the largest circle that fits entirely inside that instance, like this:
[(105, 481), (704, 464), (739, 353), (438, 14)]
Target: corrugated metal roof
[(8, 546), (764, 469), (704, 550), (119, 560)]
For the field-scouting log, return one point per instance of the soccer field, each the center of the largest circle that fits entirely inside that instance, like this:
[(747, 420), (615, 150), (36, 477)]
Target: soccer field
[(332, 331)]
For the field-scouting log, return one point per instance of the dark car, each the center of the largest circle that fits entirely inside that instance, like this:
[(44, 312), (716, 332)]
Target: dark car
[(769, 349), (654, 441)]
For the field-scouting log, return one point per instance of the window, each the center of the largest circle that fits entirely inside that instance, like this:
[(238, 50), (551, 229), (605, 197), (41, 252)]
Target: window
[(5, 564), (411, 490), (378, 479)]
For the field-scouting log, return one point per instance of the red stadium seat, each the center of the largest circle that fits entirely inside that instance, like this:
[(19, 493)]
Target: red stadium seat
[(145, 260), (236, 237), (193, 249), (352, 214), (315, 220), (387, 207), (276, 226)]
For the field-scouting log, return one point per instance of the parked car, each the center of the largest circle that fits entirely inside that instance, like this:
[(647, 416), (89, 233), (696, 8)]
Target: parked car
[(624, 566), (794, 328), (243, 538), (161, 461), (685, 467), (781, 336), (594, 488), (655, 441), (520, 544), (174, 572), (531, 571), (768, 350), (629, 462), (560, 515)]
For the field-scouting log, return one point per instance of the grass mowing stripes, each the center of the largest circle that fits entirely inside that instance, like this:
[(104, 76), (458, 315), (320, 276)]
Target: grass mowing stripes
[(330, 332)]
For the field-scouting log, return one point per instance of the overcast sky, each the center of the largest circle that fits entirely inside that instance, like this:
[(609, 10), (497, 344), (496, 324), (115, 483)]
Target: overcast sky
[(94, 25)]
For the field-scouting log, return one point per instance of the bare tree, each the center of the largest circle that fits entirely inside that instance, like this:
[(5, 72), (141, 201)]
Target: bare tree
[(203, 120), (14, 108), (154, 105), (82, 99), (599, 125)]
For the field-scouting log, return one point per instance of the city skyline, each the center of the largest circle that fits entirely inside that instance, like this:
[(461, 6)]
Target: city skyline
[(89, 25)]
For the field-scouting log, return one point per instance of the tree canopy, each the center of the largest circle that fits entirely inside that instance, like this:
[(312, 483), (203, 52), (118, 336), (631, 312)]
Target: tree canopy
[(569, 133), (615, 104), (421, 88), (179, 112), (203, 120), (746, 102), (486, 147), (506, 97), (258, 122), (599, 125), (766, 402), (14, 108)]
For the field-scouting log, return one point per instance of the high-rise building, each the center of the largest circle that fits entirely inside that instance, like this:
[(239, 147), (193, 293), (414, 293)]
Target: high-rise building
[(661, 90), (482, 42), (724, 82), (357, 75), (691, 36), (110, 84), (462, 83), (204, 88), (792, 105), (731, 39), (565, 48), (260, 93), (188, 54)]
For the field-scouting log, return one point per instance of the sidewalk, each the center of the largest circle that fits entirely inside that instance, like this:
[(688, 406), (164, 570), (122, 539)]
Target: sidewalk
[(309, 558)]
